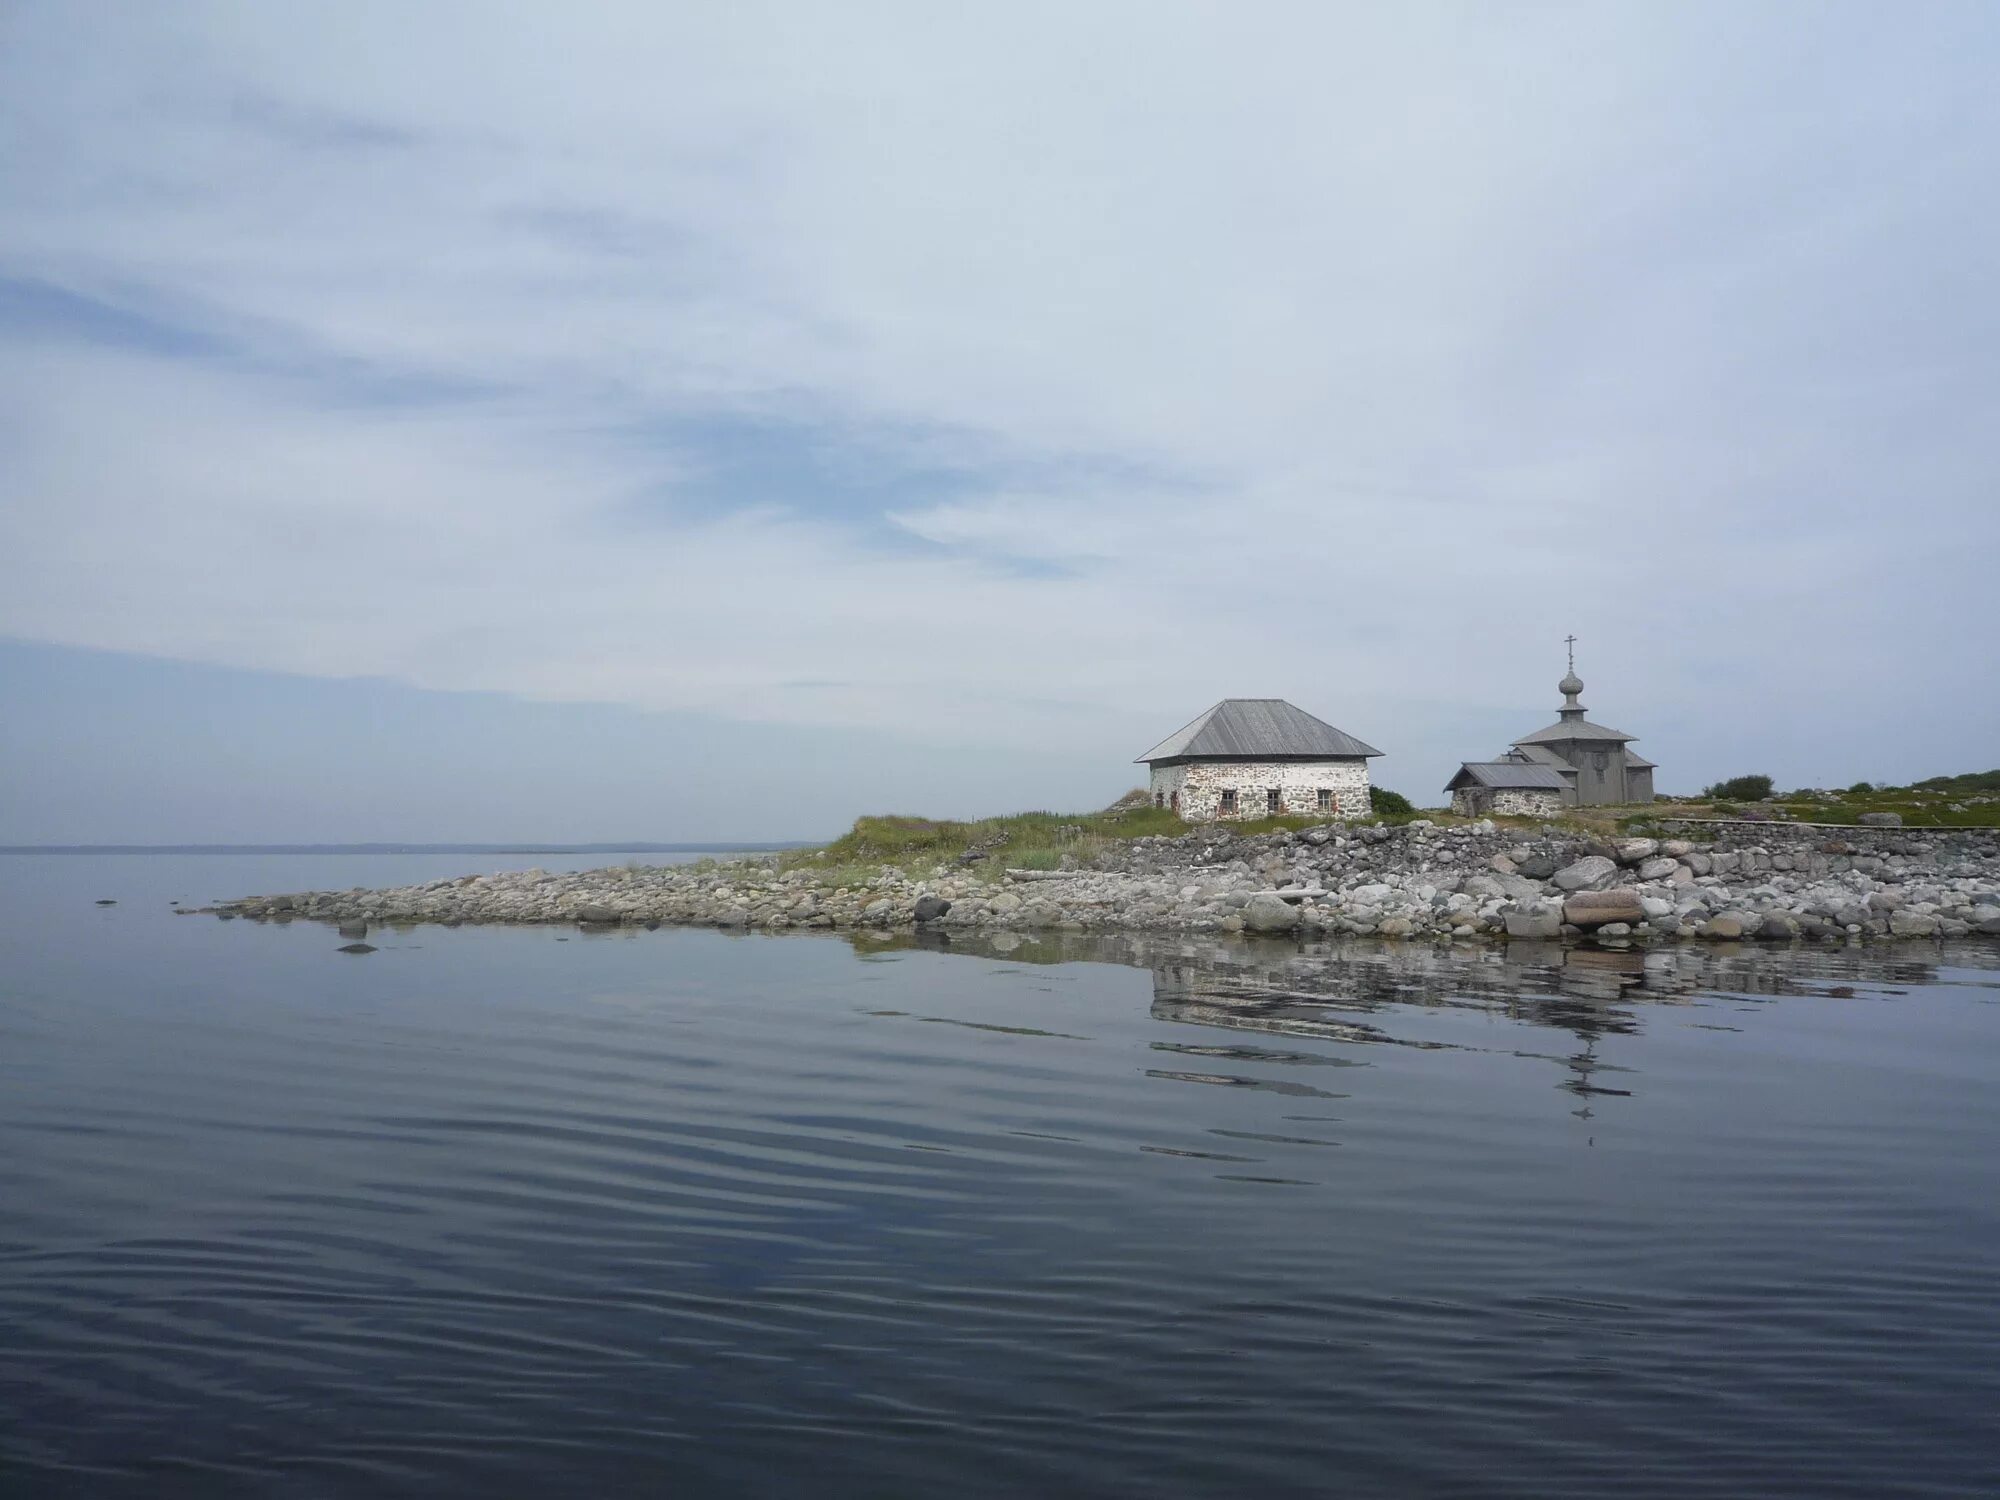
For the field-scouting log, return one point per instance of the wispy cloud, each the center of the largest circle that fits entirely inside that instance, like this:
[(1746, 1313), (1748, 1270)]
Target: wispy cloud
[(895, 365)]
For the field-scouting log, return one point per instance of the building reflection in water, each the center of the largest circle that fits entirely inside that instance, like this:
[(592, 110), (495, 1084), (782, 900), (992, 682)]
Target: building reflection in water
[(1362, 993)]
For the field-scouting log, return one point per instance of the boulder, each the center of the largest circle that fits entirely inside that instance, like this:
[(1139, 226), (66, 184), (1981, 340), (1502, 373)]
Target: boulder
[(1777, 927), (1537, 866), (1591, 873), (1880, 820), (1267, 913), (1635, 851), (1912, 924), (357, 948), (1675, 848), (1596, 908), (1658, 869), (599, 916), (1698, 862), (1534, 924), (930, 908), (1723, 928)]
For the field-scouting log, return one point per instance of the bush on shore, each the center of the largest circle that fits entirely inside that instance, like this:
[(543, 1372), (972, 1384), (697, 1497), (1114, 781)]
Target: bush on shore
[(1741, 789)]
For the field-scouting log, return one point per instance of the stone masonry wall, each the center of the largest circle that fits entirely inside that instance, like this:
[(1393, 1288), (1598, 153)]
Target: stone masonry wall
[(1519, 802), (1200, 785), (1524, 802)]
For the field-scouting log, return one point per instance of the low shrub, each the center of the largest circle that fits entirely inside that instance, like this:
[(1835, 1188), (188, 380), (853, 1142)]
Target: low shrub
[(1390, 804), (1741, 789)]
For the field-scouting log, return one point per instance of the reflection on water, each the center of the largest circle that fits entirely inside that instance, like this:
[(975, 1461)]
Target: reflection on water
[(1344, 992), (509, 1211)]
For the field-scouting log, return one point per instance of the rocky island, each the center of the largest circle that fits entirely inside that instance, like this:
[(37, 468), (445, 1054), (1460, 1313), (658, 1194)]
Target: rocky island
[(1422, 879)]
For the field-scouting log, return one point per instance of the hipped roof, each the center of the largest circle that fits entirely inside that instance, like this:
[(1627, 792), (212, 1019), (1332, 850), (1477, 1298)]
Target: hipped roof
[(1255, 728)]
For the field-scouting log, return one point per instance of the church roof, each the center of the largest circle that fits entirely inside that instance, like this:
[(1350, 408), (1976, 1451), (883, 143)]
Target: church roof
[(1254, 728), (1541, 755), (1507, 775), (1634, 761), (1571, 724), (1573, 729)]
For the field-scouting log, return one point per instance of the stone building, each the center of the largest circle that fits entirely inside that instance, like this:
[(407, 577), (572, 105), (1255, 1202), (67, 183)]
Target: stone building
[(1515, 787), (1258, 757), (1597, 766)]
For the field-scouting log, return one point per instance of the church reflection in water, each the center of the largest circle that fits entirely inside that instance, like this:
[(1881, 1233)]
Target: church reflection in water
[(1362, 993)]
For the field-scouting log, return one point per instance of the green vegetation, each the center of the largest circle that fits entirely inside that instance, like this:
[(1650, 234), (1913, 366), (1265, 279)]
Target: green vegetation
[(1024, 841), (1969, 783), (1966, 801), (1741, 789)]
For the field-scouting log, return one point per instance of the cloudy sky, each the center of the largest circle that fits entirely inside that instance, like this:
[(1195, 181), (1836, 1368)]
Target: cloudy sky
[(580, 422)]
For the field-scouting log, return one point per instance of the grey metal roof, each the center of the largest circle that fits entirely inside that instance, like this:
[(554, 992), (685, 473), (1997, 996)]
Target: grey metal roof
[(1510, 775), (1248, 728), (1540, 755), (1637, 762), (1573, 729)]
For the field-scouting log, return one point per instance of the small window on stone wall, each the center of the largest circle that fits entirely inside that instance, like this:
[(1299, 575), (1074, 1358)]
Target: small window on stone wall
[(1159, 799), (1274, 802), (1325, 800), (1229, 802)]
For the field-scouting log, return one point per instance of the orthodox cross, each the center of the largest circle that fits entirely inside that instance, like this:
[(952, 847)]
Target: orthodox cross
[(1570, 641)]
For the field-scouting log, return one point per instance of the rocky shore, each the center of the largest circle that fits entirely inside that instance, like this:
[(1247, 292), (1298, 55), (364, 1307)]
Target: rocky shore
[(1751, 881)]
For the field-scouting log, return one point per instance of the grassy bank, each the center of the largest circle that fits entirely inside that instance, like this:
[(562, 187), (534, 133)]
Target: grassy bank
[(1051, 840), (1969, 801), (1022, 841)]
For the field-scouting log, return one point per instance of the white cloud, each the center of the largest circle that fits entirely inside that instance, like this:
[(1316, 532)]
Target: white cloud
[(1356, 355)]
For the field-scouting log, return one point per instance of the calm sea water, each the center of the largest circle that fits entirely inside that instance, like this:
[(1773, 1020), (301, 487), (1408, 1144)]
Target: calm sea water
[(498, 1212)]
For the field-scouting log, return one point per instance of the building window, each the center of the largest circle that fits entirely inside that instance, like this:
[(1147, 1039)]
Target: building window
[(1274, 802), (1159, 799), (1229, 802), (1326, 800)]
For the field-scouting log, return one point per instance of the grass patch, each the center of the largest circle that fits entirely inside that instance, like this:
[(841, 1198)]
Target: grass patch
[(1030, 841), (1970, 801), (1025, 841)]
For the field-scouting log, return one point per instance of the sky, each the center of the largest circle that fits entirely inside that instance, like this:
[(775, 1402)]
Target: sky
[(487, 421)]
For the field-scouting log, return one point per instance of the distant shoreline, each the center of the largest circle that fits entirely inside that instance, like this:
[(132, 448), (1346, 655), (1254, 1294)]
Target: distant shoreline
[(632, 848)]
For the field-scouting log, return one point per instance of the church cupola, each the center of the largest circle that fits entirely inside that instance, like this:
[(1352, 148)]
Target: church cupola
[(1571, 685)]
